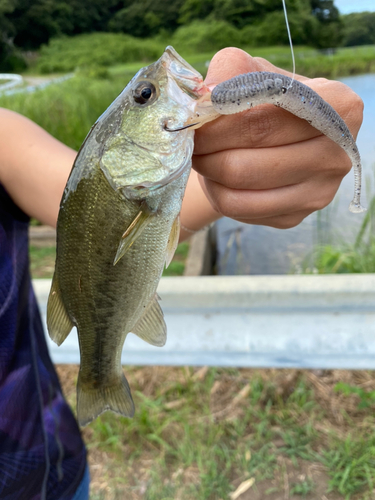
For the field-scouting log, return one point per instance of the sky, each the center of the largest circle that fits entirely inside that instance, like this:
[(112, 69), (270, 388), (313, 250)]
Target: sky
[(347, 6)]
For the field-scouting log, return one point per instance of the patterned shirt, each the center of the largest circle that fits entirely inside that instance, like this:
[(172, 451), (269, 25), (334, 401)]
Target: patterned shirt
[(42, 455)]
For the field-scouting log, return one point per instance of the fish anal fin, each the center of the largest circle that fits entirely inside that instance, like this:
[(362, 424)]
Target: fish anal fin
[(173, 240), (92, 401), (58, 322), (134, 230), (151, 326)]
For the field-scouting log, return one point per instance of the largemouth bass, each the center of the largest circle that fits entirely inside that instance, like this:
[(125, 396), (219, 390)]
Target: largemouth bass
[(118, 224)]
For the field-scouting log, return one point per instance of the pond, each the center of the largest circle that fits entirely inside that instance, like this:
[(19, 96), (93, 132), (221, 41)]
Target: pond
[(246, 249)]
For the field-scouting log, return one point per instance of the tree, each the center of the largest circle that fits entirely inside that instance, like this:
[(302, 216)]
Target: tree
[(146, 18), (10, 59), (359, 28), (330, 29)]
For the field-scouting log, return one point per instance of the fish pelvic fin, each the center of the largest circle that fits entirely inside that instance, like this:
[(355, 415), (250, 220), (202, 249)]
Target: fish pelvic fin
[(173, 240), (92, 402), (151, 326), (135, 229), (58, 322)]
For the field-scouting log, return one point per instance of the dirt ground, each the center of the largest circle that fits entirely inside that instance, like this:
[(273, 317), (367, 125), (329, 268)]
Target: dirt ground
[(147, 379)]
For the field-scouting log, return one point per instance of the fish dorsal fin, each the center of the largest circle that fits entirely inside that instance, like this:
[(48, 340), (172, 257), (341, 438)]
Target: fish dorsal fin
[(173, 240), (58, 322), (151, 326), (135, 229)]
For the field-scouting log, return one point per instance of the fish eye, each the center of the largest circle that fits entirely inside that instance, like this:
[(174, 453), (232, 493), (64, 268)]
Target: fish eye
[(144, 92)]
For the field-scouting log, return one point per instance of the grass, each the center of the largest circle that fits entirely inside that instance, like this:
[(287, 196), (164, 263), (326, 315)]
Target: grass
[(67, 110), (346, 258), (200, 433), (42, 261), (94, 49), (177, 266)]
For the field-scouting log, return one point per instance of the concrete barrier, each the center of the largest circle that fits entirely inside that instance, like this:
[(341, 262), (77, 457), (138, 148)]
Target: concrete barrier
[(255, 321)]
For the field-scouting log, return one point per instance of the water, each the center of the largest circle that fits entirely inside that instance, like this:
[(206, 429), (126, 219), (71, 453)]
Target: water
[(246, 249)]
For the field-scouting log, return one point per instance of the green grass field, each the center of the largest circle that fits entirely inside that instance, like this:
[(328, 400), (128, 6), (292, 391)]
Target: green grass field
[(201, 433)]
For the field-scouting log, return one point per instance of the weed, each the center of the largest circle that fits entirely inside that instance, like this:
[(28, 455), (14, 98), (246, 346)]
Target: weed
[(366, 398), (303, 488), (347, 258), (42, 261), (350, 464)]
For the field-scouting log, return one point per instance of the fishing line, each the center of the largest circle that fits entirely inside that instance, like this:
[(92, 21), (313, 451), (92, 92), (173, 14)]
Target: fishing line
[(290, 43)]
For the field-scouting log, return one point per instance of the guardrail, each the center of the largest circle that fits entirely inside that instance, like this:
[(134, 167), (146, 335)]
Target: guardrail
[(30, 88), (255, 321), (13, 80)]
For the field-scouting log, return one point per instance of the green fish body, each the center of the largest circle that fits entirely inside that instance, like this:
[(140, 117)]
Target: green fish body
[(118, 226)]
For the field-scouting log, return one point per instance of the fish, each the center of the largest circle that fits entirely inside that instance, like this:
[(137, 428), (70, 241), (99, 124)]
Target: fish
[(118, 224)]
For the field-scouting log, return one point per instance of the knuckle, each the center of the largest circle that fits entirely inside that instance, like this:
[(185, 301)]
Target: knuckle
[(223, 206), (355, 113), (344, 166), (288, 221), (257, 124), (228, 174), (320, 201), (217, 197), (235, 170)]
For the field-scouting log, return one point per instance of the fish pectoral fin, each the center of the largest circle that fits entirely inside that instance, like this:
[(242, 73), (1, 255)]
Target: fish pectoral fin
[(136, 228), (58, 322), (151, 326), (93, 401), (173, 240)]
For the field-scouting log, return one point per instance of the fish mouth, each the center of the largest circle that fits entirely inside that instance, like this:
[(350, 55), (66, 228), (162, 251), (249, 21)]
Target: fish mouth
[(187, 78), (191, 82)]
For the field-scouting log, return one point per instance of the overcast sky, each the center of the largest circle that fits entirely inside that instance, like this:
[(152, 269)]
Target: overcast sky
[(347, 6)]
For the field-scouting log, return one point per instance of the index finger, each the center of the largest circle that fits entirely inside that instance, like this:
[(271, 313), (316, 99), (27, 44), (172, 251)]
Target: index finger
[(241, 62)]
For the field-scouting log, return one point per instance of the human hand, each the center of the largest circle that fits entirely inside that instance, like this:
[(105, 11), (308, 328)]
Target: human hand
[(266, 166)]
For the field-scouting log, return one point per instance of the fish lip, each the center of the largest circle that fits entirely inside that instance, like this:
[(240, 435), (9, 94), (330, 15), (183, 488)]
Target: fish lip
[(191, 82), (187, 78)]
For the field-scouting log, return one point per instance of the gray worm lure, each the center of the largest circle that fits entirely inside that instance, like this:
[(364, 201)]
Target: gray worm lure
[(246, 91)]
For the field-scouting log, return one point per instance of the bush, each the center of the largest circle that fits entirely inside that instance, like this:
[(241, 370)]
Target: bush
[(11, 60), (205, 36), (95, 49)]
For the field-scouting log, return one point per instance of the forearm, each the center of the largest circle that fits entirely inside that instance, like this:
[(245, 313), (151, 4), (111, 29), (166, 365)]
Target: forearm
[(34, 166)]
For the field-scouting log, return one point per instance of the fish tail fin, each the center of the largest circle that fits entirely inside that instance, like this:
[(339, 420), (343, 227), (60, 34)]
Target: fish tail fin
[(92, 402)]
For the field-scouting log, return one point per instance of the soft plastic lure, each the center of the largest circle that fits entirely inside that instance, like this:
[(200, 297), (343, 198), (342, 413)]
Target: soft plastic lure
[(246, 91)]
